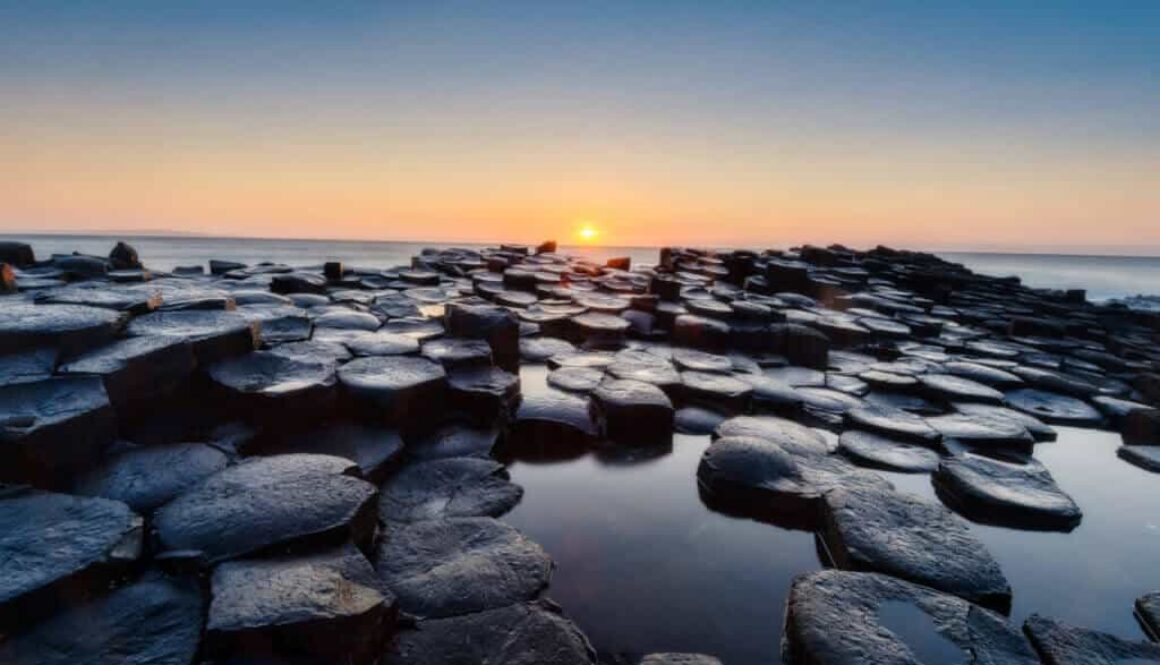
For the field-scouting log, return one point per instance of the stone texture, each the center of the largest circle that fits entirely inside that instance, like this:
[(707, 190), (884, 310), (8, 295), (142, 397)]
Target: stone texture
[(451, 487), (146, 477), (1005, 493), (1059, 643)]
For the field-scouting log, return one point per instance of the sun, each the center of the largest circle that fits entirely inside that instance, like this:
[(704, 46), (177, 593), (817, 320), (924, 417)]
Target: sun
[(587, 232)]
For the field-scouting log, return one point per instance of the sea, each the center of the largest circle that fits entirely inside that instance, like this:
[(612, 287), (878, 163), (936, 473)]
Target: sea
[(1134, 278)]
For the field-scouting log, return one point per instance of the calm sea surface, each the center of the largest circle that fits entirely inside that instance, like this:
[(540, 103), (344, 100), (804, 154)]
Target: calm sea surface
[(1103, 276), (643, 565)]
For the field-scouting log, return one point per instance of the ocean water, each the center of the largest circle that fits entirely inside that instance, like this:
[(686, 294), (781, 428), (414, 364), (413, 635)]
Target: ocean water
[(1104, 277)]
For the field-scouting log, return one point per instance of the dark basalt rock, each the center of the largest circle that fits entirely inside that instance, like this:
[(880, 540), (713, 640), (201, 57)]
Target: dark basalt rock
[(313, 351), (633, 413), (1059, 643), (894, 423), (280, 325), (27, 366), (1148, 614), (328, 605), (1037, 428), (865, 605), (453, 440), (214, 335), (1054, 408), (57, 549), (989, 433), (718, 391), (1005, 493), (883, 380), (880, 530), (521, 634), (952, 388), (376, 449), (265, 385), (679, 659), (72, 329), (483, 393), (792, 437), (395, 388), (660, 373), (137, 368), (1145, 457), (698, 331), (78, 266), (985, 374), (1141, 426), (695, 420), (124, 257), (382, 344), (495, 325), (451, 487), (700, 361), (591, 359), (155, 620), (442, 568), (452, 352), (297, 283), (146, 477), (600, 331), (575, 379), (539, 349), (133, 300), (51, 429), (348, 320), (876, 451), (802, 345), (18, 254), (550, 424), (265, 502), (217, 267)]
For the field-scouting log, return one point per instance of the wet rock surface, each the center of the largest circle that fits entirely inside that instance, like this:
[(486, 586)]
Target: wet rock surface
[(877, 451), (1006, 493), (1148, 612), (451, 487), (147, 477), (1059, 643)]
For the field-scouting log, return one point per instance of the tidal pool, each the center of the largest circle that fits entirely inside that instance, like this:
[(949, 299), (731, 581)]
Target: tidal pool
[(643, 565)]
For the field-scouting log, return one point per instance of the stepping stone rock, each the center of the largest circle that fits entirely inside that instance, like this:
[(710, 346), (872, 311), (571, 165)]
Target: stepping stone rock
[(985, 374), (1141, 427), (442, 568), (348, 320), (1148, 613), (215, 335), (1145, 457), (718, 391), (452, 487), (27, 366), (539, 349), (330, 605), (265, 502), (879, 530), (56, 549), (72, 329), (453, 352), (679, 659), (520, 634), (590, 359), (1054, 408), (882, 619), (790, 436), (155, 620), (952, 388), (695, 420), (894, 423), (983, 432), (601, 331), (700, 361), (1004, 493), (376, 449), (267, 385), (495, 325), (1059, 643), (551, 422), (575, 379), (483, 393), (876, 451), (382, 344), (633, 413), (454, 440), (395, 388), (137, 368), (132, 300), (772, 395), (18, 254), (52, 429), (1036, 427), (147, 477)]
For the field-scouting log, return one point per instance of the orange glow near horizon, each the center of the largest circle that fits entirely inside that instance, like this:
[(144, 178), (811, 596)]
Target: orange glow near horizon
[(587, 233)]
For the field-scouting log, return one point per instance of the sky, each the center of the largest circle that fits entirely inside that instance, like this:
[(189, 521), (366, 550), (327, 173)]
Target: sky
[(1023, 126)]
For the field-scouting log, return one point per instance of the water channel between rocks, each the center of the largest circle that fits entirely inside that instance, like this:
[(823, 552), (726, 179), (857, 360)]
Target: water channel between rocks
[(643, 565)]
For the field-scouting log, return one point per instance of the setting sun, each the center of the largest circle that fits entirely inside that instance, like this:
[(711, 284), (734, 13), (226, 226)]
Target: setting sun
[(588, 232)]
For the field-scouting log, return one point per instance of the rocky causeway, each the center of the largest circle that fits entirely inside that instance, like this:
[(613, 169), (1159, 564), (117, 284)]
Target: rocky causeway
[(308, 465)]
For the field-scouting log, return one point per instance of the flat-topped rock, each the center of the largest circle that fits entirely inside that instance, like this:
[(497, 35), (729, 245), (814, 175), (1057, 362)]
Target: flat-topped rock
[(442, 568), (697, 420), (137, 369), (835, 617), (1005, 493), (27, 366), (893, 422), (454, 439), (520, 634), (539, 349), (147, 477), (346, 319), (1148, 613), (881, 452), (395, 388), (483, 393), (1059, 643), (996, 434), (495, 325), (265, 384), (264, 502), (329, 605), (1145, 457), (451, 487), (549, 420), (1054, 408), (134, 300), (954, 388), (679, 659), (155, 620), (71, 329), (215, 335), (575, 379), (382, 343), (56, 549), (52, 429), (452, 352), (701, 361), (1039, 430), (790, 436), (879, 530), (633, 413), (719, 391)]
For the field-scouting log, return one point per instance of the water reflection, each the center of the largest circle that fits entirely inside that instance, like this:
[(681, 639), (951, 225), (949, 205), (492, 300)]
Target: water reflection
[(917, 629)]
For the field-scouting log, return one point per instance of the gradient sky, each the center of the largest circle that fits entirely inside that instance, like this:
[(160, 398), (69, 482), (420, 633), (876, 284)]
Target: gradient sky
[(1011, 125)]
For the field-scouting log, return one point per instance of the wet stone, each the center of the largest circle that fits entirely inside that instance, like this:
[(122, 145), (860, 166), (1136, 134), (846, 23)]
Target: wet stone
[(27, 366), (71, 329), (876, 451), (601, 330), (329, 605), (883, 380), (862, 604), (1141, 426), (454, 439), (56, 549), (1005, 493), (520, 634), (984, 432), (792, 437), (679, 659), (497, 326), (137, 368), (952, 388), (892, 422), (382, 344), (717, 391), (443, 568), (483, 393), (453, 352), (215, 335), (575, 379), (376, 449), (539, 349), (264, 502), (551, 422), (1145, 457), (985, 374), (154, 620), (772, 395), (1148, 613), (348, 320), (1059, 643), (700, 361), (1037, 428), (696, 420), (915, 404), (298, 283), (133, 300), (451, 487), (146, 477), (660, 373), (313, 351), (395, 388), (699, 332), (877, 530), (264, 384), (1054, 408), (591, 359), (280, 324), (51, 429), (633, 413)]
